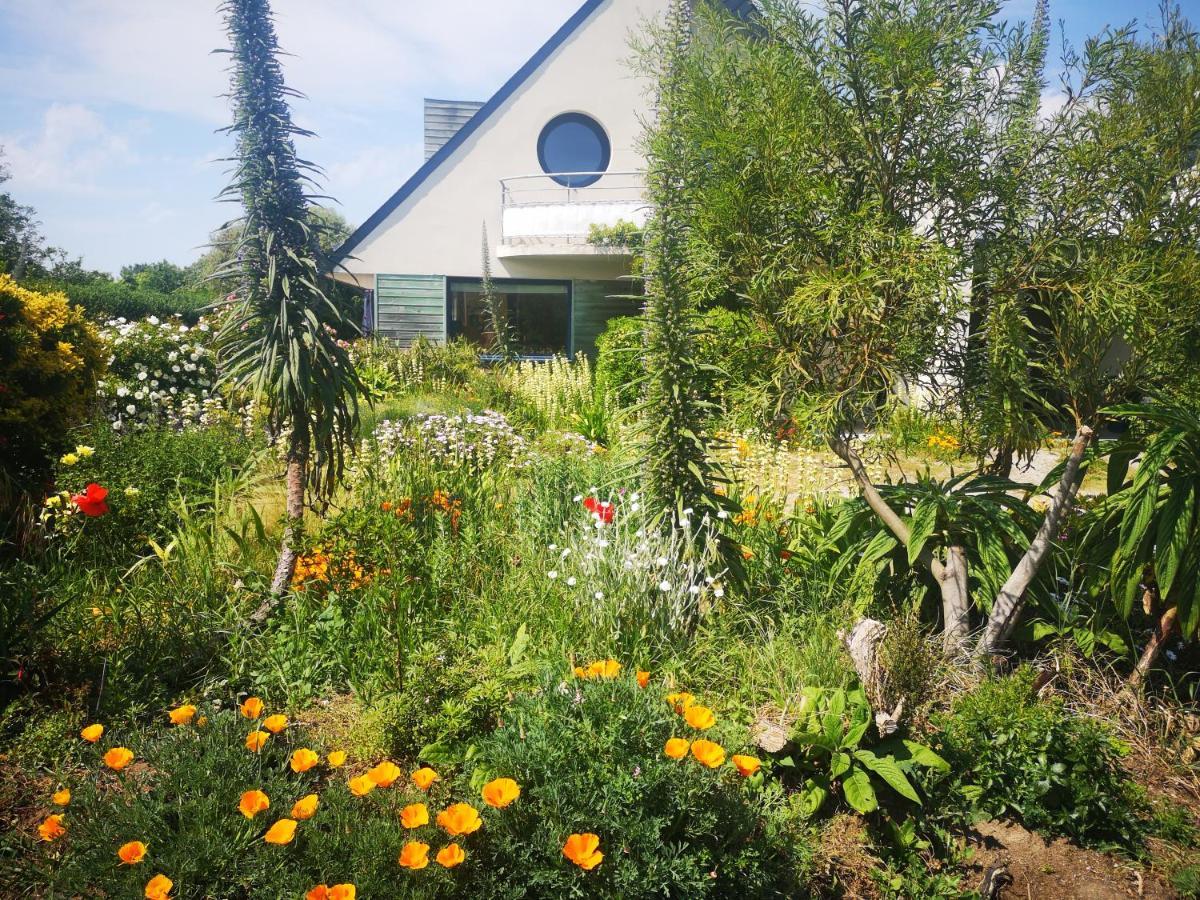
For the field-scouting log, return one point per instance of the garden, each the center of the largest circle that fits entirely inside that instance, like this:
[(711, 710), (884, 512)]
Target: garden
[(863, 560)]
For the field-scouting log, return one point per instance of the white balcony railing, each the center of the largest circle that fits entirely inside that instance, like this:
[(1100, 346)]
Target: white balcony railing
[(538, 212)]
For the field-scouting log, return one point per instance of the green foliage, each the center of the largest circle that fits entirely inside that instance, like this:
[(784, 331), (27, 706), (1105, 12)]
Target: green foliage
[(589, 758), (831, 732), (104, 299), (620, 234), (1016, 756), (162, 277)]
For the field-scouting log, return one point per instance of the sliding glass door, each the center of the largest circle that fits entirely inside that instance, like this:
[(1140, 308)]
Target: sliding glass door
[(539, 314)]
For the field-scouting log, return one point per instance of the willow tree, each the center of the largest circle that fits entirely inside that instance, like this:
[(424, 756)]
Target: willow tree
[(279, 341)]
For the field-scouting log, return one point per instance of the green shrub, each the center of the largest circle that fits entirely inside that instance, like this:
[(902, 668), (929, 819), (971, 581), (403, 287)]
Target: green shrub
[(1015, 756), (589, 757), (103, 300)]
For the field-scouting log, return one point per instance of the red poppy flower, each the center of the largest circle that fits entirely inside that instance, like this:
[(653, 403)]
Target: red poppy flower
[(91, 502), (601, 509)]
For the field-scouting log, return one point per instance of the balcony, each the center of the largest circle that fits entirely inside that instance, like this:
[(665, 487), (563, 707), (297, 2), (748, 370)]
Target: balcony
[(542, 217)]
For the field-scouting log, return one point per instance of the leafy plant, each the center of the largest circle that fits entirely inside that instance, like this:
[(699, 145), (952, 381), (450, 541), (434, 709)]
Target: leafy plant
[(831, 732)]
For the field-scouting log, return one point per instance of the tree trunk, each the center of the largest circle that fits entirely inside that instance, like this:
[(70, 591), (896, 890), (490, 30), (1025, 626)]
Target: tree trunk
[(956, 601), (1163, 632), (1012, 595), (297, 478)]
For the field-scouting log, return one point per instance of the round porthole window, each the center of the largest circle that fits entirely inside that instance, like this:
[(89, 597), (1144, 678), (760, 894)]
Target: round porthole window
[(572, 144)]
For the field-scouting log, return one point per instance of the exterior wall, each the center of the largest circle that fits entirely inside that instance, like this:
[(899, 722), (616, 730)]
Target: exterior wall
[(410, 305), (438, 227), (444, 119), (595, 303)]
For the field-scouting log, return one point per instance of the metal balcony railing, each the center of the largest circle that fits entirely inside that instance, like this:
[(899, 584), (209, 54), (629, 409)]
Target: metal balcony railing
[(537, 209)]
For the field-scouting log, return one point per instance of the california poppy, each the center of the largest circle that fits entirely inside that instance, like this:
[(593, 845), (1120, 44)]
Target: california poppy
[(132, 853), (414, 855), (252, 803), (320, 892), (92, 501), (181, 715), (251, 708), (255, 740), (699, 717), (680, 700), (342, 892), (61, 797), (361, 786), (424, 777), (118, 758), (385, 774), (643, 679), (708, 753), (92, 733), (281, 832), (459, 819), (305, 807), (450, 856), (159, 888), (746, 765), (500, 792), (303, 759), (52, 828), (583, 850), (676, 748), (414, 815), (275, 723), (336, 759)]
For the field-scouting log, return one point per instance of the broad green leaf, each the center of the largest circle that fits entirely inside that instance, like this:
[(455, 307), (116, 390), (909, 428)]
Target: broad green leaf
[(839, 765), (1175, 533), (855, 735), (885, 767), (814, 795), (922, 527), (859, 792), (1118, 467)]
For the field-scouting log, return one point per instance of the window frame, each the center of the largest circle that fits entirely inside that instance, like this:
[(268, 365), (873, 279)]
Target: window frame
[(592, 125)]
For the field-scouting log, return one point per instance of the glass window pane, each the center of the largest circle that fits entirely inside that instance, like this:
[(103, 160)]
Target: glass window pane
[(574, 143), (538, 316)]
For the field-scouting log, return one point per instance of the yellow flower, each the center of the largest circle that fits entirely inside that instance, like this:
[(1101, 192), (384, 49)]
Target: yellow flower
[(680, 700), (52, 828), (275, 723), (337, 759), (746, 765), (343, 892), (459, 819), (255, 740), (385, 774), (450, 856), (424, 777), (676, 748), (118, 758), (281, 832), (92, 733), (500, 792), (69, 459), (699, 717), (361, 786), (181, 715), (252, 707), (159, 888), (414, 855), (306, 807), (61, 797), (131, 853), (303, 760), (708, 753), (583, 850), (414, 815), (84, 452), (252, 803)]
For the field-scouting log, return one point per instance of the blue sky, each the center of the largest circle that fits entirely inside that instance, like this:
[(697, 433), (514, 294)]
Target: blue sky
[(108, 108)]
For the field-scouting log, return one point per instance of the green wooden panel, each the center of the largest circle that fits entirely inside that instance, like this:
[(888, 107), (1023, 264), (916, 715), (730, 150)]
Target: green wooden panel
[(407, 306), (595, 303)]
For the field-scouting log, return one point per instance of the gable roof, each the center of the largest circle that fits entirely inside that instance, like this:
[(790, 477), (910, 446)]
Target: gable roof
[(741, 8)]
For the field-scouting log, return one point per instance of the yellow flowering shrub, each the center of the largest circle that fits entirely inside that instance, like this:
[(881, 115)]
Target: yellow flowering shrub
[(50, 360)]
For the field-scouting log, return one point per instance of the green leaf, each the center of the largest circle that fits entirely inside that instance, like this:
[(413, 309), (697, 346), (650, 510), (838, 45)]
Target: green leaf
[(855, 735), (1175, 534), (1118, 467), (839, 765), (859, 792), (520, 642), (922, 527), (885, 767), (814, 795)]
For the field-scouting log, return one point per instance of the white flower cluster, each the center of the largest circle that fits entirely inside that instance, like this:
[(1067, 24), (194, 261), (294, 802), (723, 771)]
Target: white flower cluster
[(472, 442), (159, 373)]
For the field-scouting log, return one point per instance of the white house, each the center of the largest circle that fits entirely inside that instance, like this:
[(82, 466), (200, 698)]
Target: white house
[(552, 153)]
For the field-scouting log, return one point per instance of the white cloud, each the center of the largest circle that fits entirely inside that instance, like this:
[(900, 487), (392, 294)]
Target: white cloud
[(72, 149), (387, 166)]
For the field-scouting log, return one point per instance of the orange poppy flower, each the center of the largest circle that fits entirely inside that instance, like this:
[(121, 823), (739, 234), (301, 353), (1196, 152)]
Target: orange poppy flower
[(580, 672), (583, 850), (414, 855), (256, 740), (92, 733), (500, 792), (385, 774), (643, 678), (424, 777), (305, 807), (607, 668), (708, 753), (459, 819), (320, 892), (61, 798), (131, 853), (414, 815), (275, 723), (676, 748), (252, 803), (181, 715), (118, 758), (159, 888), (746, 765), (336, 759), (361, 786), (52, 828), (281, 832), (450, 856), (680, 700), (251, 707), (303, 759), (699, 717), (342, 892)]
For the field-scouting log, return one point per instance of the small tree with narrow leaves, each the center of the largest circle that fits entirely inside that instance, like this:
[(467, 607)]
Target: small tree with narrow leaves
[(280, 340)]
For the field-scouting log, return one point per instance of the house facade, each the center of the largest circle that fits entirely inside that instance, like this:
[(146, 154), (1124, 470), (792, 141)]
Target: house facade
[(553, 153)]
